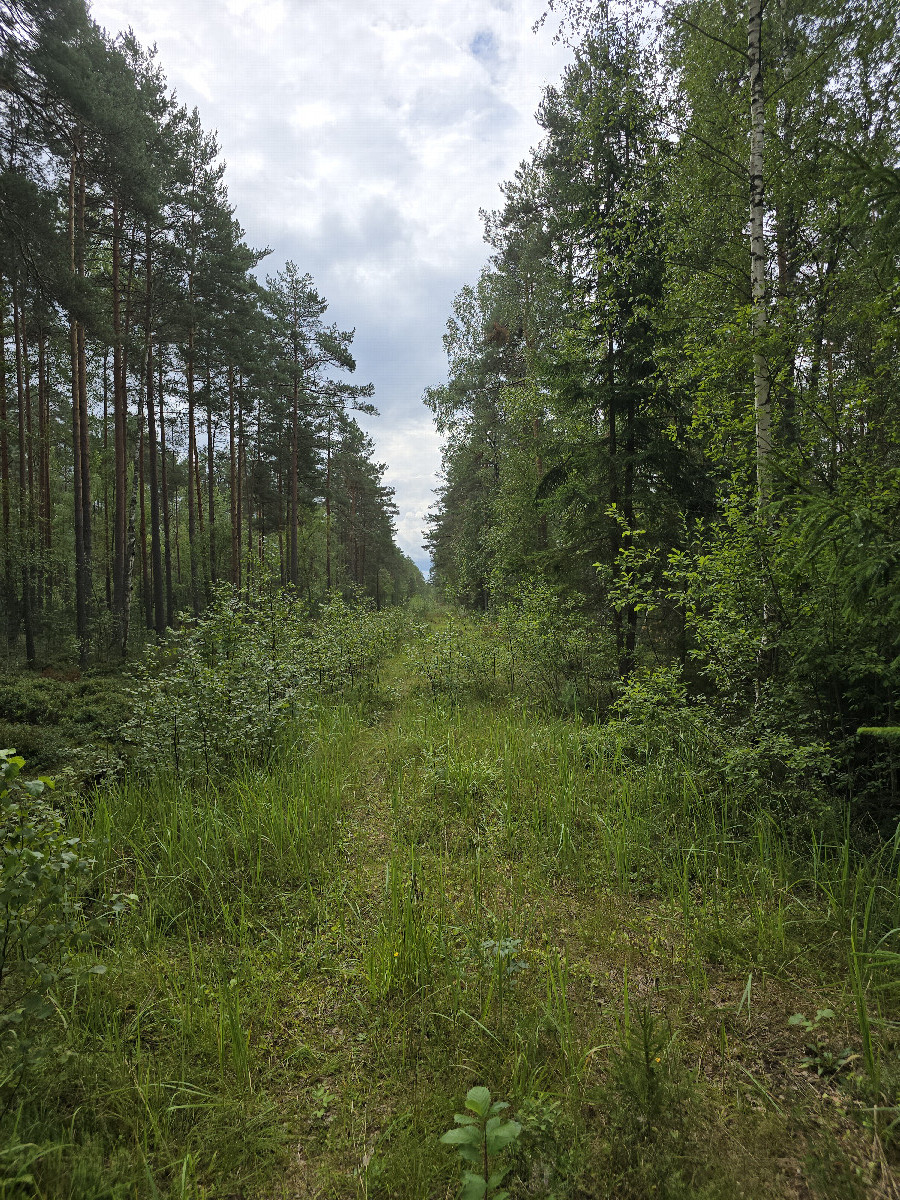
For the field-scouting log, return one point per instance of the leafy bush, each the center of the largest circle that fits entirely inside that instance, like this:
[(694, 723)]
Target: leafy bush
[(223, 685), (655, 722), (540, 646), (227, 684), (459, 658), (556, 651), (348, 643)]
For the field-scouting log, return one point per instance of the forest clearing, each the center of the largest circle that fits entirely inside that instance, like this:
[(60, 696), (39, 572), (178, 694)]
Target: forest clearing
[(437, 879)]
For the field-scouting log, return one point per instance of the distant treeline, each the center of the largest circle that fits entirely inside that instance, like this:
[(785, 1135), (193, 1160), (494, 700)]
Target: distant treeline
[(166, 421), (673, 393)]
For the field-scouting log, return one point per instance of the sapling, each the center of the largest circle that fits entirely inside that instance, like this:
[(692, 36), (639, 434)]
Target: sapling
[(818, 1056), (479, 1136)]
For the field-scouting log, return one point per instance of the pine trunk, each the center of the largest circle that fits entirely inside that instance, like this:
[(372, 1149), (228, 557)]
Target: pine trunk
[(120, 490), (192, 455), (130, 531), (294, 514), (210, 479)]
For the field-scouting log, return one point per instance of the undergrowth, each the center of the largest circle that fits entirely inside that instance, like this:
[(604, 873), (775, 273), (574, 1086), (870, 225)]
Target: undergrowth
[(421, 888)]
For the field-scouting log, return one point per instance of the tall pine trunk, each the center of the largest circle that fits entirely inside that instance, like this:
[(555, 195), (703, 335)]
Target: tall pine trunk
[(233, 494), (130, 530), (294, 513), (120, 432), (210, 476)]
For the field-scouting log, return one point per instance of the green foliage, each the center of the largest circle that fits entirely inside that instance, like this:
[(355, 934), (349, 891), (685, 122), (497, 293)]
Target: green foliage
[(224, 685), (406, 949), (558, 651), (540, 645), (349, 641), (480, 1136), (61, 722), (43, 924), (458, 658), (819, 1055), (229, 684)]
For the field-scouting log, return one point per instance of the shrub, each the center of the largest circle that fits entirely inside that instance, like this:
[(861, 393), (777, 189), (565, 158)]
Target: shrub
[(228, 684)]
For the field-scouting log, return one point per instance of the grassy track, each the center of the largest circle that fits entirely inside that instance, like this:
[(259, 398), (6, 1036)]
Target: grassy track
[(328, 953)]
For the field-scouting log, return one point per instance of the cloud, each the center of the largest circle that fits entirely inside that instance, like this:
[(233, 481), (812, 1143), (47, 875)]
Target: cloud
[(362, 139)]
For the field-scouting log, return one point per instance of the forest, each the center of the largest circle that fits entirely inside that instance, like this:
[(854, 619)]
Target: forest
[(167, 421), (572, 873)]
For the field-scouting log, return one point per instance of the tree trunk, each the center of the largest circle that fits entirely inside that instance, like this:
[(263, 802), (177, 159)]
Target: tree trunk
[(328, 509), (46, 527), (8, 598), (81, 567), (128, 579), (210, 478), (24, 530), (233, 494), (170, 598), (294, 514), (761, 381), (159, 608), (241, 477), (107, 548), (192, 455), (120, 431), (146, 590)]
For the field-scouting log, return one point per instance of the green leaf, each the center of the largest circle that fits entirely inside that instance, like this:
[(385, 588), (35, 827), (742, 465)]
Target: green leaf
[(478, 1100), (473, 1187), (471, 1154), (823, 1014), (501, 1136), (469, 1135)]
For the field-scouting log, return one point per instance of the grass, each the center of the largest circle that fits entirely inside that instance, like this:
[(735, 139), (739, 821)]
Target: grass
[(328, 953)]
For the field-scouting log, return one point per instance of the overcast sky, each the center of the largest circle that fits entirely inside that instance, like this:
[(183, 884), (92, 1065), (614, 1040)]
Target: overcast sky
[(362, 137)]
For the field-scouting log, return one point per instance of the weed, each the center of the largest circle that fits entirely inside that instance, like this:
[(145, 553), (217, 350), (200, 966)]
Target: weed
[(819, 1057)]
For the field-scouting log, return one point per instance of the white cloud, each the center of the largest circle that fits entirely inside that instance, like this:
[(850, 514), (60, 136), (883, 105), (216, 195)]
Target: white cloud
[(362, 139)]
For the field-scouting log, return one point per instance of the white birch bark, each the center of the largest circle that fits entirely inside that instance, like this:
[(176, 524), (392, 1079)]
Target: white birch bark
[(761, 382)]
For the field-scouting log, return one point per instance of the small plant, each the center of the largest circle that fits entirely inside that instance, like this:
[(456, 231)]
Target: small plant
[(641, 1070), (479, 1136), (503, 957), (819, 1057)]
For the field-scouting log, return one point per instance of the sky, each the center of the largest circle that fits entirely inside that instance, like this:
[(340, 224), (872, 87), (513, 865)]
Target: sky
[(362, 137)]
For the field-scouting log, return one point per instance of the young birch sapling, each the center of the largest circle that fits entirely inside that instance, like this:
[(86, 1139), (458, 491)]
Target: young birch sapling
[(479, 1136)]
